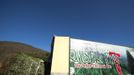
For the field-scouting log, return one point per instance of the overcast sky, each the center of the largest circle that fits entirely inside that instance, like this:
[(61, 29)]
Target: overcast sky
[(35, 22)]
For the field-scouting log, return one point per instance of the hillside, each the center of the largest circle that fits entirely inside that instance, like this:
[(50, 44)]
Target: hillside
[(9, 50)]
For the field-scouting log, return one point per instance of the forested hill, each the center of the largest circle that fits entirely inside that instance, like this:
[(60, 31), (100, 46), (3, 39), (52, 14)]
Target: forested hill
[(9, 50)]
